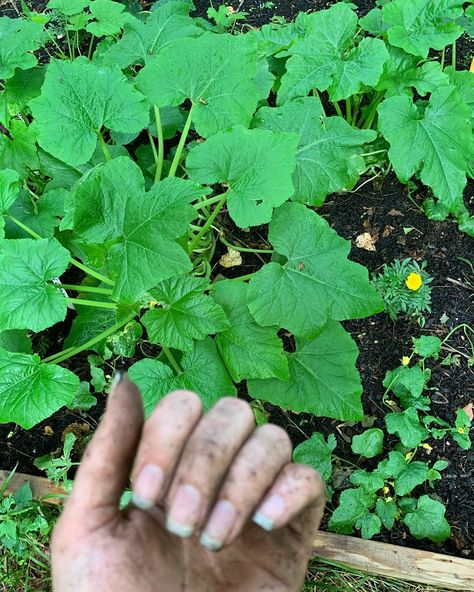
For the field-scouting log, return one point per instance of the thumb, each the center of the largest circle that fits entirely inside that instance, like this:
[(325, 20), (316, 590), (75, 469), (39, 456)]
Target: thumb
[(107, 462)]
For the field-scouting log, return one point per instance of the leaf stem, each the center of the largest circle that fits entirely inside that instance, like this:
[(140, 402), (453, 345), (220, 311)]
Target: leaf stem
[(103, 145), (161, 144), (243, 249), (182, 141), (443, 52), (57, 355), (453, 61), (348, 110), (171, 359), (24, 227), (71, 57), (192, 245), (89, 51), (94, 340), (93, 303), (243, 278), (91, 289), (207, 202), (338, 109)]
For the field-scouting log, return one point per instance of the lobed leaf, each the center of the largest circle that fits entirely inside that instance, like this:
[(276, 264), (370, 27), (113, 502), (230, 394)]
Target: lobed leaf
[(317, 453), (77, 99), (323, 377), (316, 282), (109, 18), (428, 521), (19, 38), (407, 426), (327, 158), (354, 505), (369, 443)]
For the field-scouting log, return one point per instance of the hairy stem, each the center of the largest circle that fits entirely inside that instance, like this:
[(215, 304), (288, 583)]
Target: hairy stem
[(338, 109), (161, 144), (207, 202), (93, 303), (24, 227)]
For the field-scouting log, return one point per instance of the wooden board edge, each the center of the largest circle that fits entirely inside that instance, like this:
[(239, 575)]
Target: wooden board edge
[(403, 563), (372, 557)]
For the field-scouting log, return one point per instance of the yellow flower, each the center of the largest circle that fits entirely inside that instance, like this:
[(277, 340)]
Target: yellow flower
[(388, 499), (405, 360), (409, 455), (386, 489), (427, 447), (461, 430), (414, 281)]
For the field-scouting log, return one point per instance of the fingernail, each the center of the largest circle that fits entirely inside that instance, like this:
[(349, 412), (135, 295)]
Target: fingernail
[(147, 487), (118, 376), (218, 526), (270, 512), (184, 512)]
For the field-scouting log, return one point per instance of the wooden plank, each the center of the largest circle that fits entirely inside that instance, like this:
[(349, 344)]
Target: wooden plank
[(372, 557), (397, 562), (41, 487)]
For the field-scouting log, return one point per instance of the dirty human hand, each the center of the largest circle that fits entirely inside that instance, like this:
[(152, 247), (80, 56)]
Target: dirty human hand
[(218, 505)]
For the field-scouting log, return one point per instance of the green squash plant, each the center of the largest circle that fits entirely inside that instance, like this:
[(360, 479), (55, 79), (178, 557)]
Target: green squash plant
[(149, 139)]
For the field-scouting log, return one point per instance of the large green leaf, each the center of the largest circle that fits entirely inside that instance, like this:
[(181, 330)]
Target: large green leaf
[(27, 300), (9, 189), (31, 391), (18, 150), (317, 453), (325, 57), (141, 40), (18, 39), (420, 25), (316, 282), (109, 18), (323, 377), (464, 82), (436, 143), (256, 165), (203, 372), (16, 341), (248, 350), (41, 215), (24, 86), (216, 72), (77, 99), (68, 7), (139, 228), (184, 313), (407, 426), (327, 159), (428, 521), (403, 72)]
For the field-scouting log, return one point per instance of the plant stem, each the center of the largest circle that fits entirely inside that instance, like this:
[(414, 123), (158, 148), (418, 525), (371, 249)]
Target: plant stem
[(91, 43), (50, 359), (453, 62), (93, 303), (348, 110), (24, 227), (103, 145), (153, 148), (243, 249), (171, 359), (316, 94), (338, 109), (442, 58), (91, 272), (91, 342), (192, 245), (182, 141), (71, 57), (91, 289), (207, 202), (161, 143), (243, 278), (61, 52)]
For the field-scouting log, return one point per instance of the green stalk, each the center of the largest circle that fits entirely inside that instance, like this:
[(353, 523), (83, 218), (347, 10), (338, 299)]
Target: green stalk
[(348, 110), (182, 141), (171, 359), (453, 62), (244, 249), (91, 342), (243, 278), (91, 43), (24, 227), (338, 109), (193, 244), (93, 303), (50, 359), (442, 58), (207, 202), (153, 147), (91, 272), (161, 144), (71, 56), (61, 52), (92, 289), (103, 145)]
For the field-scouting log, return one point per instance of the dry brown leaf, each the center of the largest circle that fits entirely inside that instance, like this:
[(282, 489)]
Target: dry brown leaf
[(394, 212), (387, 231), (366, 241), (48, 431), (231, 259), (469, 410)]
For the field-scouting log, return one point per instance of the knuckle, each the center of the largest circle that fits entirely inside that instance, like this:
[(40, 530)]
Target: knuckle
[(276, 436), (187, 399), (233, 405), (308, 477)]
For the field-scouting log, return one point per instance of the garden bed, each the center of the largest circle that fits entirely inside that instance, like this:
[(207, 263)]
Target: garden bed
[(393, 217)]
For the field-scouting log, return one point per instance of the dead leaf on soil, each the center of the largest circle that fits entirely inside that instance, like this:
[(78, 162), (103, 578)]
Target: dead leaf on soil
[(401, 240), (387, 231), (231, 259), (48, 431), (469, 410), (366, 241), (394, 212)]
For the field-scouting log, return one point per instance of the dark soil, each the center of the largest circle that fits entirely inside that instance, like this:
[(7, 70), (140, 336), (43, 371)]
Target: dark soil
[(386, 212)]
